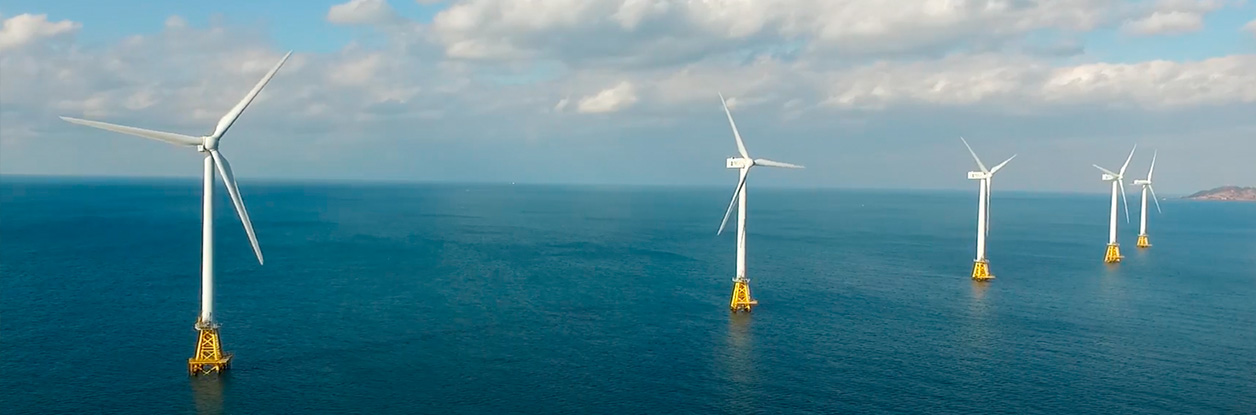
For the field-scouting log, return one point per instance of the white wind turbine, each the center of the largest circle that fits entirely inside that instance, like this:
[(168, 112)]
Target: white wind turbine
[(1146, 184), (741, 300), (209, 356), (981, 266), (1113, 254)]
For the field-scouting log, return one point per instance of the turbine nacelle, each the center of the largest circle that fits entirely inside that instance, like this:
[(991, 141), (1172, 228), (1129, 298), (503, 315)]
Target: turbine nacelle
[(978, 175), (1110, 177), (739, 163), (208, 143), (1142, 182)]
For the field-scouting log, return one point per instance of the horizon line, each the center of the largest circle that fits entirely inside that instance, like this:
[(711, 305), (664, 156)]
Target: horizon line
[(282, 180)]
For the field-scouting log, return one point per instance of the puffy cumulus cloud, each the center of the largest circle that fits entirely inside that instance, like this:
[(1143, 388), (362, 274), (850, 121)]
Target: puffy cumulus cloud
[(619, 30), (1250, 27), (163, 81), (362, 12), (176, 22), (965, 80), (1158, 84), (359, 107), (651, 68), (24, 29), (610, 99), (1165, 23), (1170, 17), (995, 83), (163, 73), (1013, 84)]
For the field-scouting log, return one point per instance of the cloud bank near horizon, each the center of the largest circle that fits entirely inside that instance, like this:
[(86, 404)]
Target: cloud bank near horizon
[(624, 91)]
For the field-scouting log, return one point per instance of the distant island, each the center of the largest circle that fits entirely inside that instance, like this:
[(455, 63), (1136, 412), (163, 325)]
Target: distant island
[(1247, 194)]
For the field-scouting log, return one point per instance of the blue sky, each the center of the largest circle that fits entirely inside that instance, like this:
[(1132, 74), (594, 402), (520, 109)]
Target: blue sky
[(624, 91), (300, 26)]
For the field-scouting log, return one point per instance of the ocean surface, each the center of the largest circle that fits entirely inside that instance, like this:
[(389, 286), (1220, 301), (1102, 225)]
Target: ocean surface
[(495, 299)]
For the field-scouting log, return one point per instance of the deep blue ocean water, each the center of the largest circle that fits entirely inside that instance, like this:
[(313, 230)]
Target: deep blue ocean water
[(493, 299)]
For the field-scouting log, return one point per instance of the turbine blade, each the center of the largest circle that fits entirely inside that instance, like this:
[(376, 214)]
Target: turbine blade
[(1127, 160), (740, 183), (229, 119), (228, 178), (741, 147), (171, 138), (1000, 165), (1105, 170), (1124, 202), (1154, 198), (970, 151), (770, 163), (1153, 165)]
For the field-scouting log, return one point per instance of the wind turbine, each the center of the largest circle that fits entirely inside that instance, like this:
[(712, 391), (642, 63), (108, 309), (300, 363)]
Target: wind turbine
[(981, 266), (1113, 255), (741, 285), (1146, 183), (209, 357)]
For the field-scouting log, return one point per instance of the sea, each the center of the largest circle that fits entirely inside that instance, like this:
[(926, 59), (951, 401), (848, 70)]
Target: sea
[(381, 298)]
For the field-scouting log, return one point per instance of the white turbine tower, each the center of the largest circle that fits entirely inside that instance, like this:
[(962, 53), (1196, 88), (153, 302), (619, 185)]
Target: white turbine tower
[(1146, 184), (209, 357), (741, 285), (1113, 254), (981, 266)]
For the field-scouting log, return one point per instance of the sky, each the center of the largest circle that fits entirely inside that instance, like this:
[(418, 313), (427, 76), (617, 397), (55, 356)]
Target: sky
[(864, 93)]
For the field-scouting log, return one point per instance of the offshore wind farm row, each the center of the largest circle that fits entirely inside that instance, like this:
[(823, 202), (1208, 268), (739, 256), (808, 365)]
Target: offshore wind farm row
[(209, 357)]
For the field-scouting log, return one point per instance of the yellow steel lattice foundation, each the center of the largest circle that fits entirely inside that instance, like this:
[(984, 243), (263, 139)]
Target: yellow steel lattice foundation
[(1113, 255), (981, 271), (1142, 241), (209, 357), (741, 296)]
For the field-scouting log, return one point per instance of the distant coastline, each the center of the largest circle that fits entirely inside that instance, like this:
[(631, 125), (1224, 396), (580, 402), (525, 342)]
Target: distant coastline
[(1229, 193)]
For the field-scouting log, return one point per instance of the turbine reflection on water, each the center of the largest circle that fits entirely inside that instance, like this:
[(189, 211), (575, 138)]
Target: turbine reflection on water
[(739, 363), (207, 394)]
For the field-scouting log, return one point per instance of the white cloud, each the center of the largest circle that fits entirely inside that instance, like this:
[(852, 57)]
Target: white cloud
[(1250, 27), (610, 99), (1010, 83), (362, 12), (176, 22), (966, 80), (631, 12), (24, 29), (358, 71), (648, 63), (1172, 17), (1165, 23), (607, 29), (1157, 84)]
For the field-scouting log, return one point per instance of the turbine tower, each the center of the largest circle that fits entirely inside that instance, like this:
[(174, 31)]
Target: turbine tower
[(741, 285), (981, 266), (209, 357), (1113, 255), (1146, 183)]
